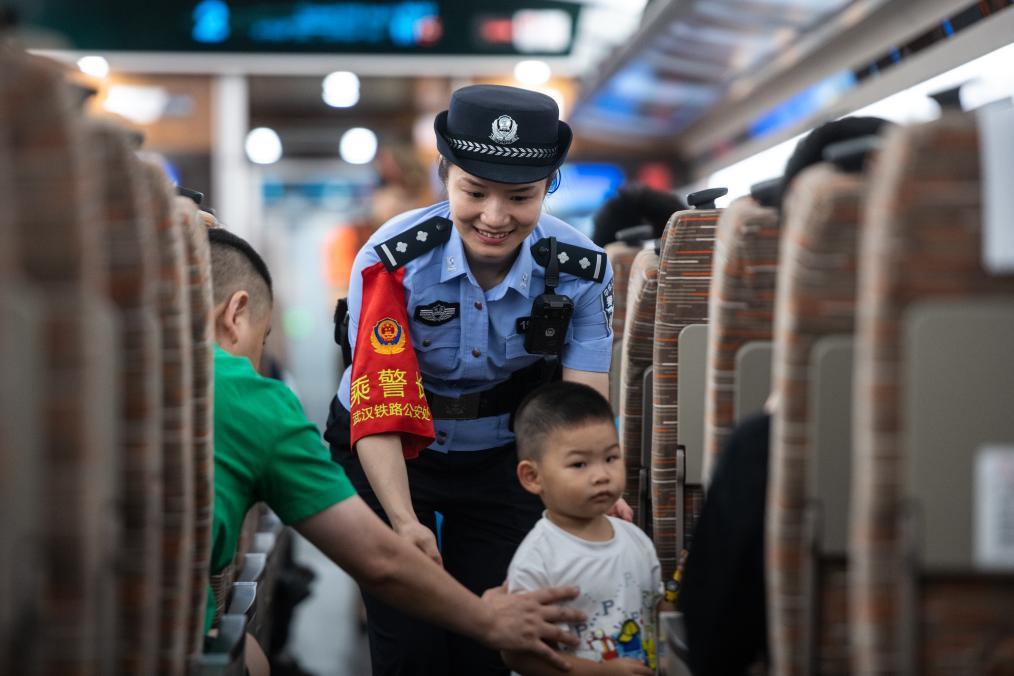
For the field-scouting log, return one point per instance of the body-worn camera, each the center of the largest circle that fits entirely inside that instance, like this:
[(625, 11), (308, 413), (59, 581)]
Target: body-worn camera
[(547, 326)]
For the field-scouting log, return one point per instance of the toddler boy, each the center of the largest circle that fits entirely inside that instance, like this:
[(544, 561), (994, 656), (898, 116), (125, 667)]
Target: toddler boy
[(569, 456)]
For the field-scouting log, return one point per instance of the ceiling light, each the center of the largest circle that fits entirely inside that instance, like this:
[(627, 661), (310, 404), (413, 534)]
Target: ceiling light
[(341, 89), (96, 66), (532, 73), (143, 105), (358, 145), (263, 146)]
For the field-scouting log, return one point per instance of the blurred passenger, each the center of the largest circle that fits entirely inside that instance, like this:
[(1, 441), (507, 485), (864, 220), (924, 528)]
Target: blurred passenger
[(634, 204), (570, 457), (723, 597), (266, 450), (404, 184)]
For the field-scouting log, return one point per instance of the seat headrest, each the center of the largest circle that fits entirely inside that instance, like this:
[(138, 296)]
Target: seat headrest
[(850, 156), (705, 199), (636, 234)]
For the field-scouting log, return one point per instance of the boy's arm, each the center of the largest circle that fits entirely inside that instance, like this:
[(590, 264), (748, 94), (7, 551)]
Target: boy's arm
[(530, 664)]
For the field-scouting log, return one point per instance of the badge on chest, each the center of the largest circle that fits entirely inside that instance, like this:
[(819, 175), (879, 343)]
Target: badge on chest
[(437, 313)]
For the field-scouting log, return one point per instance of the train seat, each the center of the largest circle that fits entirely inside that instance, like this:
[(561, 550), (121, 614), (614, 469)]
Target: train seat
[(129, 246), (54, 215), (932, 398), (177, 422), (638, 332), (807, 516), (21, 392), (684, 278), (742, 294), (203, 345), (621, 258)]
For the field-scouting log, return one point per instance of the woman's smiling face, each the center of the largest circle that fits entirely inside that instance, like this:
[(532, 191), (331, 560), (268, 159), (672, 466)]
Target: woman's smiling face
[(493, 219)]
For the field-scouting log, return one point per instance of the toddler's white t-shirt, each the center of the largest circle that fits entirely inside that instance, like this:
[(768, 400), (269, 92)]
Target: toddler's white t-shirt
[(620, 581)]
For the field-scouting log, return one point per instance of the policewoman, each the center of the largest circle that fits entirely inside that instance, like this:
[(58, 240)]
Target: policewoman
[(463, 283)]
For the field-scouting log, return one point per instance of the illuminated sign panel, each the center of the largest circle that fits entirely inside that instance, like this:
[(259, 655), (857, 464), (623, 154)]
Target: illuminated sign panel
[(543, 27)]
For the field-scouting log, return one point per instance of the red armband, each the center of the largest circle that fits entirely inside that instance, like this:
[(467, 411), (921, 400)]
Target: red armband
[(386, 392)]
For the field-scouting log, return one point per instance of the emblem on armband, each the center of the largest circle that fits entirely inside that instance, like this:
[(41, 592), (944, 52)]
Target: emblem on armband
[(387, 337)]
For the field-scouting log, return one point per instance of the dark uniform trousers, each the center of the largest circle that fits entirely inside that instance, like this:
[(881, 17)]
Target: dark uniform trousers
[(486, 515)]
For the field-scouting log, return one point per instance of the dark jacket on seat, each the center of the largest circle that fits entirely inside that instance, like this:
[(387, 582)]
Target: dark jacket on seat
[(723, 595)]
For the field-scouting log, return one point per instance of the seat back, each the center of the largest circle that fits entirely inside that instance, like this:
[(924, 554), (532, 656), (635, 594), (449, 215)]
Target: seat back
[(177, 422), (621, 258), (54, 213), (922, 243), (683, 280), (741, 306), (132, 287), (957, 483), (637, 353), (815, 300), (203, 338), (21, 400)]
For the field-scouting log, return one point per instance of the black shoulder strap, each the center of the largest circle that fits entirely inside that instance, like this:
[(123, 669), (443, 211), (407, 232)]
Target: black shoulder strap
[(414, 242), (575, 260)]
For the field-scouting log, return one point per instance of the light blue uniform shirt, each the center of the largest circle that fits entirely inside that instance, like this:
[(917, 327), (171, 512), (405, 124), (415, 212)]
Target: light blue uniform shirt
[(486, 321)]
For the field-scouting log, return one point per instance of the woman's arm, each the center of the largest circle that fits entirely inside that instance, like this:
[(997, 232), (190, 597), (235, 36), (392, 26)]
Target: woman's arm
[(384, 465), (351, 535), (597, 381)]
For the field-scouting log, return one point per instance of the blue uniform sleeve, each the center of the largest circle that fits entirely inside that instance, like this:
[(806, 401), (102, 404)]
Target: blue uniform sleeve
[(590, 347), (364, 259)]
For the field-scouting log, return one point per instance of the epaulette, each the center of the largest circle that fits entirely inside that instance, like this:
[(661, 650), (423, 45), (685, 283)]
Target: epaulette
[(414, 242), (575, 260)]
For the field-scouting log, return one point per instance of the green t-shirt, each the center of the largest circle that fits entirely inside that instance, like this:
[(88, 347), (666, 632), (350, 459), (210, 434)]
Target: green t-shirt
[(265, 450)]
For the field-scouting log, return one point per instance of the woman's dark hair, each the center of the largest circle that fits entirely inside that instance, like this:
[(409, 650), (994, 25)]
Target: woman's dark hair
[(634, 204), (444, 168), (810, 149)]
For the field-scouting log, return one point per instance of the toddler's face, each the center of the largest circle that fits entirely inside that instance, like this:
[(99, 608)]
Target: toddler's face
[(581, 470)]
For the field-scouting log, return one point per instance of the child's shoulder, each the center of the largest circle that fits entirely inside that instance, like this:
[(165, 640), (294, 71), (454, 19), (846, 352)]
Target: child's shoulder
[(630, 532)]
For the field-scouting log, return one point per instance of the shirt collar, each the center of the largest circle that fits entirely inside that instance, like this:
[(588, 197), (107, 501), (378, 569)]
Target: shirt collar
[(453, 263), (519, 277)]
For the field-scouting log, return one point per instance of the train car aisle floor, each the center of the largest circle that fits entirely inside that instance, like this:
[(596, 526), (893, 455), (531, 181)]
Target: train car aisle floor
[(326, 637)]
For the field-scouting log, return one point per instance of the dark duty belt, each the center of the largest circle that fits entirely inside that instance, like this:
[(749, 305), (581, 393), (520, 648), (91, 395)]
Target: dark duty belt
[(497, 400)]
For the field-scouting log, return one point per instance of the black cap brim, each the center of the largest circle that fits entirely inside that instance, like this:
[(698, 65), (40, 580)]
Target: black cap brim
[(498, 171)]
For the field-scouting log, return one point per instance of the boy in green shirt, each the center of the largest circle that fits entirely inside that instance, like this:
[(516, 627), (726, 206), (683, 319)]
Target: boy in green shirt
[(266, 449)]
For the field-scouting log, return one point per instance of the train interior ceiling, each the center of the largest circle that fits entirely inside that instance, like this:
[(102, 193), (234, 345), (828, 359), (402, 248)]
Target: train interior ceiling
[(868, 308)]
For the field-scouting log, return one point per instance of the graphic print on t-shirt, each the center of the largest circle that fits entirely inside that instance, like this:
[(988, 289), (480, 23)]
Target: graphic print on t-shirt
[(615, 632)]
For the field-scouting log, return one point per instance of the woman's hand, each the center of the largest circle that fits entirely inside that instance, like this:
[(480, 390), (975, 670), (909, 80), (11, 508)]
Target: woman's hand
[(422, 537), (621, 510)]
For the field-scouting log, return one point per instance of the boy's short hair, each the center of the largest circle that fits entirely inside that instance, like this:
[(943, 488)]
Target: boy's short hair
[(236, 266), (553, 406)]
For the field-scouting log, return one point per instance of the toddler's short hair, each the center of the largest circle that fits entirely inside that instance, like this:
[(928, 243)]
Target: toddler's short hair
[(553, 406)]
